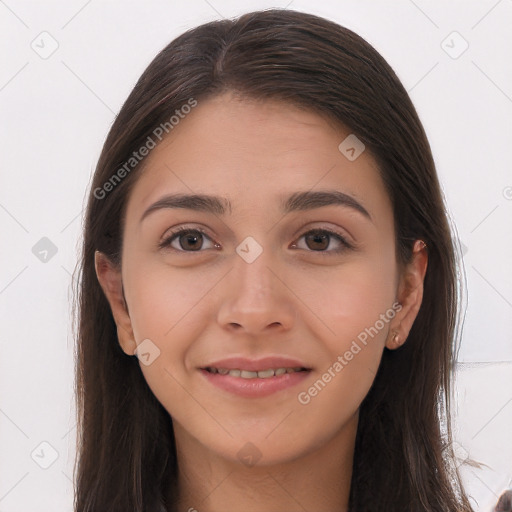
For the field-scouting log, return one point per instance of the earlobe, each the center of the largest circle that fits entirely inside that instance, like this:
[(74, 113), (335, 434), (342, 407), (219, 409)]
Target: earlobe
[(410, 296), (396, 341), (110, 279)]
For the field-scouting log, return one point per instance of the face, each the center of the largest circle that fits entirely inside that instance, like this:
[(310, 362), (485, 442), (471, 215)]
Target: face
[(258, 286)]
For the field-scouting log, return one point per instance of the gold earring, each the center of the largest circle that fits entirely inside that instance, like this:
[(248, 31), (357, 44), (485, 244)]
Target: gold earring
[(396, 337)]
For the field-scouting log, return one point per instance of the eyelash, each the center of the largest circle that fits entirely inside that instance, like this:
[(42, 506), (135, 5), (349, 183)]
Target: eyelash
[(165, 244)]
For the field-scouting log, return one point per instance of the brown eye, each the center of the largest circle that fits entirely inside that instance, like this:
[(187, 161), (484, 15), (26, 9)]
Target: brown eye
[(318, 240), (188, 240), (192, 241)]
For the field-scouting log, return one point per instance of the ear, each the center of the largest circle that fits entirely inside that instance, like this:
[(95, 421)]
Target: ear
[(410, 296), (109, 277)]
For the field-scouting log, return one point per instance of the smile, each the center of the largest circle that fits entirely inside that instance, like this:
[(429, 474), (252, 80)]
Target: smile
[(247, 374), (255, 384)]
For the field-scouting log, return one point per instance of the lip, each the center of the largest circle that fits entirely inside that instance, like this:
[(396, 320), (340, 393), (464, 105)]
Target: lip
[(257, 387), (254, 388)]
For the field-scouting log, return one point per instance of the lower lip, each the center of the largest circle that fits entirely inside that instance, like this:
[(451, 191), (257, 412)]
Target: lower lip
[(255, 387)]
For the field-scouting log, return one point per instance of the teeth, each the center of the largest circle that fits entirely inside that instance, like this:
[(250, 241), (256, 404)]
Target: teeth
[(265, 374), (246, 374)]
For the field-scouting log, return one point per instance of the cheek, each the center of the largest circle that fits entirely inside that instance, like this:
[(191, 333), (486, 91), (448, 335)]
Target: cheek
[(357, 306), (172, 307), (352, 300), (169, 307), (346, 300), (162, 298)]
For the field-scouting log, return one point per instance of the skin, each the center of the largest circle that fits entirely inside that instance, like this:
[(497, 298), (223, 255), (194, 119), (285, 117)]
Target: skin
[(200, 306)]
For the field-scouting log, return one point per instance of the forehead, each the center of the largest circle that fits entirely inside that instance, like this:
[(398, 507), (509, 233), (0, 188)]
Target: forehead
[(254, 154)]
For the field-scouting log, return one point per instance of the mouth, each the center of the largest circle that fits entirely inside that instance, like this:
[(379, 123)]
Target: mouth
[(251, 378), (248, 374)]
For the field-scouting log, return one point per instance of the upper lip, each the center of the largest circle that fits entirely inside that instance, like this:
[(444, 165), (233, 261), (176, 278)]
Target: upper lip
[(256, 365)]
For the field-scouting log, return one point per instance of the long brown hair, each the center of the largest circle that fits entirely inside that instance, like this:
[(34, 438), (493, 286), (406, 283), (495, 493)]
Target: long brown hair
[(403, 455)]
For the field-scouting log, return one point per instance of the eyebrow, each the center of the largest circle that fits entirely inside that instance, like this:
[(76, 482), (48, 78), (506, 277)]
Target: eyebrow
[(298, 201)]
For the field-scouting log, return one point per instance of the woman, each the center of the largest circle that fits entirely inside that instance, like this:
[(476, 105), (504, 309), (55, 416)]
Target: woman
[(268, 296)]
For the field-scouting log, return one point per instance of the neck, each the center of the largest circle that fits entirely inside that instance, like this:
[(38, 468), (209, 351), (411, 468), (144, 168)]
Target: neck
[(318, 480)]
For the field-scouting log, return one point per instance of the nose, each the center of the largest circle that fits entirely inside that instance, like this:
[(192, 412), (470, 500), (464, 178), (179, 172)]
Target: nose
[(257, 298)]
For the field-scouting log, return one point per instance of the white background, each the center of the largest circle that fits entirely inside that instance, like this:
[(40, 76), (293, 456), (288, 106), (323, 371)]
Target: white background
[(56, 111)]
